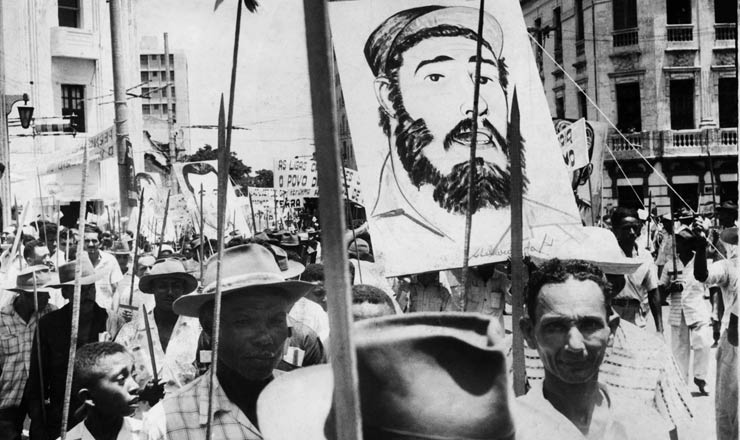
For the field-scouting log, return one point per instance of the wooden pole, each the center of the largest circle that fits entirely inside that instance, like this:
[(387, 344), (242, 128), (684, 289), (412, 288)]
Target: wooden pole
[(251, 210), (347, 414), (714, 195), (164, 223), (202, 237), (473, 141), (150, 343), (223, 176), (351, 221), (274, 198), (650, 220), (76, 297), (56, 253), (37, 334), (43, 210), (136, 249), (517, 257)]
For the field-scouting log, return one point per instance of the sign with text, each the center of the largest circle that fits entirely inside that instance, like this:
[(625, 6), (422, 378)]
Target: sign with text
[(298, 179), (574, 145)]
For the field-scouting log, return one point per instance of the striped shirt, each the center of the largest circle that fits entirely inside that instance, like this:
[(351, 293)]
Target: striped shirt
[(184, 415), (16, 341), (637, 366)]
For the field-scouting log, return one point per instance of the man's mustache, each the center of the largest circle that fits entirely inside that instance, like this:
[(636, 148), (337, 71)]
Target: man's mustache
[(463, 130)]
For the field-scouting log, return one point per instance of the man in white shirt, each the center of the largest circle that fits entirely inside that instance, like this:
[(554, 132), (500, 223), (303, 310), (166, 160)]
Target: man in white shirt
[(106, 267)]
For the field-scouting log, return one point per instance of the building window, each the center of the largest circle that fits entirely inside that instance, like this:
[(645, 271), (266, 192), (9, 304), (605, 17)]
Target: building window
[(682, 104), (172, 75), (580, 46), (155, 74), (629, 117), (582, 105), (560, 107), (144, 76), (689, 192), (155, 109), (73, 104), (625, 14), (725, 11), (627, 196), (538, 50), (69, 13), (146, 109), (678, 11), (727, 92), (144, 61), (557, 24), (172, 91)]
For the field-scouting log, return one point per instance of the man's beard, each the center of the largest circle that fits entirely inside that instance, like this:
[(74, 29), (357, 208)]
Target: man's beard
[(492, 183)]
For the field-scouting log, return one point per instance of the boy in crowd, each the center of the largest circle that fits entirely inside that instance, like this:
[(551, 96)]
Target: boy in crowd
[(104, 378)]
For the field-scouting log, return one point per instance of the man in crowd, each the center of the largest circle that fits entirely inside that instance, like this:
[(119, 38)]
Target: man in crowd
[(66, 247), (724, 274), (570, 322), (689, 313), (489, 286), (106, 267), (253, 332), (424, 293), (640, 292), (370, 302), (314, 274), (18, 321)]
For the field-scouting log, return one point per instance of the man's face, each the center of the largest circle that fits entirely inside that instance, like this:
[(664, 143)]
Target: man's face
[(318, 294), (87, 293), (627, 231), (40, 256), (92, 243), (434, 122), (122, 260), (116, 392), (43, 298), (166, 291), (253, 330), (367, 309), (571, 331)]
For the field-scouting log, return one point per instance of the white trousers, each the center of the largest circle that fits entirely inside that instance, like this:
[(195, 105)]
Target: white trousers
[(684, 340), (725, 401)]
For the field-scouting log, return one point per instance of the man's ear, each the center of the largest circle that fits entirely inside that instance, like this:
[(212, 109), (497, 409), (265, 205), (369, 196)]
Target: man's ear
[(85, 397), (527, 327), (613, 324), (383, 95)]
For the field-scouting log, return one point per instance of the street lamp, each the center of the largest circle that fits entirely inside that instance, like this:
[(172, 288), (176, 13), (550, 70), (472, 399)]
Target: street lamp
[(25, 112)]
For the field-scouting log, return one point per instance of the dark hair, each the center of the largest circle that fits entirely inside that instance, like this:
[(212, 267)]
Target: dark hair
[(366, 293), (620, 213), (557, 271), (30, 246), (86, 370), (313, 272)]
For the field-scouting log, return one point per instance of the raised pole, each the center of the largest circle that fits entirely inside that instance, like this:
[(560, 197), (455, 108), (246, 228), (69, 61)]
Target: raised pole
[(170, 113), (347, 414)]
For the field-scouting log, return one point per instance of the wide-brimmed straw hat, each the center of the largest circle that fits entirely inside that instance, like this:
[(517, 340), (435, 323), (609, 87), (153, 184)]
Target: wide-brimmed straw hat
[(66, 272), (421, 375), (24, 282), (246, 266), (120, 248), (170, 269), (595, 245)]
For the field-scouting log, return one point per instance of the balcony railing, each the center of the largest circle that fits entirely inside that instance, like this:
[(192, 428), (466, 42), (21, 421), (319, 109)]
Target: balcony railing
[(618, 143), (680, 32), (580, 48), (687, 138), (674, 143), (725, 31), (624, 37), (728, 137)]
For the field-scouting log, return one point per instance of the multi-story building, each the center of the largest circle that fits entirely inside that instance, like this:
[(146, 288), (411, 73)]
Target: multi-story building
[(154, 79), (664, 73), (59, 53)]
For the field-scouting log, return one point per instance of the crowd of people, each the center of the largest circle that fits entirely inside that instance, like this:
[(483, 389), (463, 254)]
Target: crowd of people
[(434, 361)]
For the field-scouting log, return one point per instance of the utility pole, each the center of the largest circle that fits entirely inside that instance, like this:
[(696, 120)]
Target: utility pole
[(119, 93), (170, 114), (4, 143)]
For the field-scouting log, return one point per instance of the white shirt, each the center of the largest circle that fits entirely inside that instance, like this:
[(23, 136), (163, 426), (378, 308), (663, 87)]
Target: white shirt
[(312, 315), (724, 273), (130, 430), (110, 274)]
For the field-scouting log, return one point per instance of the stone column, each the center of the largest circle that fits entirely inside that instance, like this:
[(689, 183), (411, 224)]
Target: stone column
[(704, 36)]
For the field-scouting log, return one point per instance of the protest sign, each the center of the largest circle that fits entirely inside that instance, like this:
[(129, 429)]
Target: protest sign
[(574, 145), (296, 179), (414, 166)]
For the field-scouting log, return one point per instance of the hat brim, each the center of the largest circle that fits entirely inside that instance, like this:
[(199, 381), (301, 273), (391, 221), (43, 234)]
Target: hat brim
[(84, 281), (190, 304), (39, 289), (625, 267), (146, 284)]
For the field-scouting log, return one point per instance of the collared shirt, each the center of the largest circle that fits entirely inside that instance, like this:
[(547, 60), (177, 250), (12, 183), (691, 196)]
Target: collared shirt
[(16, 341), (641, 281), (690, 301), (724, 274), (433, 297), (176, 364), (638, 367), (485, 296), (312, 315), (184, 415), (536, 419), (130, 430), (110, 275)]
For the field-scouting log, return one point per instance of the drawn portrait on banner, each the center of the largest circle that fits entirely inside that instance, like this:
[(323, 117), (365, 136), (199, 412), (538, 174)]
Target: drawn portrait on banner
[(412, 68)]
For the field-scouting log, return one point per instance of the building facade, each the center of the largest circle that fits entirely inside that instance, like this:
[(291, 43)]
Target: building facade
[(664, 74), (59, 53), (154, 79)]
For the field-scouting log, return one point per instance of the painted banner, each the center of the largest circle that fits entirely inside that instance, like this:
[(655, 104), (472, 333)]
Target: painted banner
[(408, 68), (190, 176), (296, 178), (574, 145), (586, 177)]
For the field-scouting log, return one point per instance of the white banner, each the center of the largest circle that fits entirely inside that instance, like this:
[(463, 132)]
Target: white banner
[(574, 145), (297, 179), (401, 71)]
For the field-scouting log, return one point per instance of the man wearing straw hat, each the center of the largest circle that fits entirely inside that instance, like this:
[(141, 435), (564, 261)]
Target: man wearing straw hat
[(18, 321), (254, 331), (55, 336), (174, 338)]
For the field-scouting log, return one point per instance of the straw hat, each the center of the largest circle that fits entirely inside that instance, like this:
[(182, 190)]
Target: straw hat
[(421, 375), (67, 273), (246, 266), (170, 268), (597, 246), (120, 248), (24, 282)]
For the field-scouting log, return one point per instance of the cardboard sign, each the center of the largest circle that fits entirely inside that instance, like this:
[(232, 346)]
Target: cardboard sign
[(408, 89), (296, 179), (574, 145)]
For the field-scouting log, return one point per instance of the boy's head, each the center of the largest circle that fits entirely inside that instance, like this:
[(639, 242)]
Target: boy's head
[(104, 378)]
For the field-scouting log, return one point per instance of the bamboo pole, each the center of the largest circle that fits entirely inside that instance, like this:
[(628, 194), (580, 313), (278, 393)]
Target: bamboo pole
[(37, 335), (136, 250), (56, 253), (202, 237), (76, 297), (164, 223), (347, 414)]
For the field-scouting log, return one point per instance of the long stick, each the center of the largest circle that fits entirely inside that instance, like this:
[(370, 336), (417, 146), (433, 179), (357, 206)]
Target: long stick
[(274, 198), (76, 298), (650, 219), (351, 220), (56, 253), (164, 224), (471, 174), (150, 342), (37, 334), (714, 196), (517, 262), (348, 417), (202, 237), (251, 210), (136, 249), (43, 210), (673, 233)]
